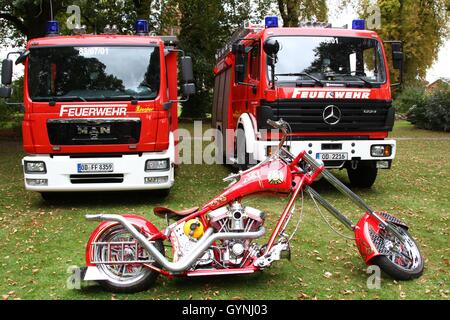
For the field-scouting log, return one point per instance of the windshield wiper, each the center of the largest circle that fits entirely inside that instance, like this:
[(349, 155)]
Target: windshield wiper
[(67, 98), (302, 74), (121, 97), (366, 82)]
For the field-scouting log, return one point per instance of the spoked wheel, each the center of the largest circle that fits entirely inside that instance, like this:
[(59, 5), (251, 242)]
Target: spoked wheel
[(118, 245), (402, 259)]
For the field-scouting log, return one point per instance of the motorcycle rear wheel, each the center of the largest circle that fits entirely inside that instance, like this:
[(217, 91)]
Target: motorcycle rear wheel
[(403, 259), (124, 278)]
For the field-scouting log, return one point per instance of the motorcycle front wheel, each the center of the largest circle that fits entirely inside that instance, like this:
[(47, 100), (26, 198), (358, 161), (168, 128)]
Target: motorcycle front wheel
[(402, 259), (122, 277)]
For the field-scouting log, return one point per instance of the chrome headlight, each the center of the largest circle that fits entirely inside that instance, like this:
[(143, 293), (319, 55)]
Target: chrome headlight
[(381, 151), (157, 165), (35, 167)]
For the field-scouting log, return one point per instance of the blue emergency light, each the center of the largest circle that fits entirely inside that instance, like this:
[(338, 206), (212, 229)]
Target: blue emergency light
[(359, 24), (52, 27), (141, 26), (271, 22)]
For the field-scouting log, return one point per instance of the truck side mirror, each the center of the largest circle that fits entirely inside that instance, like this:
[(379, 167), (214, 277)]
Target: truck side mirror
[(271, 48), (186, 69), (5, 92), (397, 55), (189, 89), (7, 72), (239, 67)]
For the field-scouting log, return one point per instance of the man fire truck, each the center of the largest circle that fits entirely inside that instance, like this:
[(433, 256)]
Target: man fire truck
[(331, 85), (100, 110)]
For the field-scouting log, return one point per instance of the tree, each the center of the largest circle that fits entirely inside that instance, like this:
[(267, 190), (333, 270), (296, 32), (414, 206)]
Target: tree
[(421, 25), (202, 33), (292, 11), (205, 28), (27, 19)]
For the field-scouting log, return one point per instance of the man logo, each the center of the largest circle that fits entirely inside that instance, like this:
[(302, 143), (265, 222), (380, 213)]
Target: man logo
[(332, 115)]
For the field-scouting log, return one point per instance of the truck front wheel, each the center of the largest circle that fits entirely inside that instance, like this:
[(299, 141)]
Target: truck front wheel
[(363, 176)]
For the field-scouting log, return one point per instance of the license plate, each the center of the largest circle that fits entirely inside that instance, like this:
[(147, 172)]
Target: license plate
[(332, 156), (95, 167)]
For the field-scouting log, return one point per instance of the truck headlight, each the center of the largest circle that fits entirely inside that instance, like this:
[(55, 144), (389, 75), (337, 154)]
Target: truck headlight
[(381, 151), (35, 167), (157, 165), (156, 180), (37, 182)]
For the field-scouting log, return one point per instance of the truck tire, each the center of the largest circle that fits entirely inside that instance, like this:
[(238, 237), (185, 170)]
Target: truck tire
[(49, 196), (161, 193), (245, 159), (363, 176), (221, 156)]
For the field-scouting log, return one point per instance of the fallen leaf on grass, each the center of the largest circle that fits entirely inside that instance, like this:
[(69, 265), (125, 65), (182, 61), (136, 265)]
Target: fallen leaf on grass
[(303, 296)]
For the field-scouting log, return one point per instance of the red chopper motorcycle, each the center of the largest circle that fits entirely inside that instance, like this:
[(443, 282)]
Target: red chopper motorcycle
[(126, 253)]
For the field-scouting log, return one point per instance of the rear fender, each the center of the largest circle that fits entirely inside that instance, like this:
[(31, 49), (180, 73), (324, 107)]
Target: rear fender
[(140, 223), (366, 235)]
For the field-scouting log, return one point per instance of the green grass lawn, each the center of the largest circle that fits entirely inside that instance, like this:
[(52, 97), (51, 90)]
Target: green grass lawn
[(39, 241)]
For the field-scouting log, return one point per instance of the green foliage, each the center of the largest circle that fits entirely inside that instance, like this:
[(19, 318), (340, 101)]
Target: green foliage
[(409, 97), (432, 111), (10, 112), (421, 25), (292, 11)]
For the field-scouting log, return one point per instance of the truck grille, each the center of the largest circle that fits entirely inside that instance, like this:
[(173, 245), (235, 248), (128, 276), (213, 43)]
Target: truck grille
[(308, 115), (96, 178), (93, 131)]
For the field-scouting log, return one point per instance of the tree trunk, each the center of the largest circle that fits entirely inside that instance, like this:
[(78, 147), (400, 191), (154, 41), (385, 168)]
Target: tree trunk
[(290, 12)]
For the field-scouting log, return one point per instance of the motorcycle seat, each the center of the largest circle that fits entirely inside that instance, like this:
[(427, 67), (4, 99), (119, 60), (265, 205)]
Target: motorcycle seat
[(173, 214)]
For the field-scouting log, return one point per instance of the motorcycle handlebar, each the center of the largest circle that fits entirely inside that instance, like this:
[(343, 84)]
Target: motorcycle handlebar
[(280, 124)]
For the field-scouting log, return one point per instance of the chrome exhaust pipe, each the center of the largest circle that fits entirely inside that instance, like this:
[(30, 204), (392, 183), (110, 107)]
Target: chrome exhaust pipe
[(183, 264)]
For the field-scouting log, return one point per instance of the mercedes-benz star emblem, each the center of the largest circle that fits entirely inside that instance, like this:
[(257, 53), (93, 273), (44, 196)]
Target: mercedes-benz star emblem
[(332, 115)]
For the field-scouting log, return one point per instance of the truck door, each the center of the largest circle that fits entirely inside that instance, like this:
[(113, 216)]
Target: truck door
[(253, 93), (240, 92)]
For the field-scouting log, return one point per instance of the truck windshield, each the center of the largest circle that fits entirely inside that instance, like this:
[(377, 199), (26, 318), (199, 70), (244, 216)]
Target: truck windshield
[(329, 60), (93, 73)]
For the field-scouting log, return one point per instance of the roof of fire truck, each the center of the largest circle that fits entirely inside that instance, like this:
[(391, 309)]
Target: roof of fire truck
[(101, 39), (251, 31), (109, 37)]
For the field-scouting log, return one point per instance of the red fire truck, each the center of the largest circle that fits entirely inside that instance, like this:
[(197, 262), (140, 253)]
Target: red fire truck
[(331, 85), (100, 110)]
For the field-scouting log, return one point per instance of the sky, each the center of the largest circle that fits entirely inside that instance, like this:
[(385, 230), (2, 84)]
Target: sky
[(441, 67)]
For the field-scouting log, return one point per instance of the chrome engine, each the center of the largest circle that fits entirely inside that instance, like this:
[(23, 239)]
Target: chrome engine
[(227, 253), (235, 218)]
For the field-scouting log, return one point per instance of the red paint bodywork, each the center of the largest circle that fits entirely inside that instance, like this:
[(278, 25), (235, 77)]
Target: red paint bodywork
[(155, 124), (252, 181), (365, 243)]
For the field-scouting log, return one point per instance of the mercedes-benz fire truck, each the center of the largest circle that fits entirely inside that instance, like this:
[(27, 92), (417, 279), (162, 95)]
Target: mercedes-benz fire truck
[(100, 111), (332, 86)]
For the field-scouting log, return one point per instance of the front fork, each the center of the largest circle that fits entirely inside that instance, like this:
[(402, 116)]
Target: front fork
[(351, 195), (273, 247)]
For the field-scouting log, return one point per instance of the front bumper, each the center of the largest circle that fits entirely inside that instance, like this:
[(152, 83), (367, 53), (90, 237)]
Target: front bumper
[(355, 149), (129, 174)]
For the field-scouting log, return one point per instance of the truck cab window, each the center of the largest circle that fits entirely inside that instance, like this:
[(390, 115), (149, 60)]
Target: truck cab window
[(343, 60), (94, 73)]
